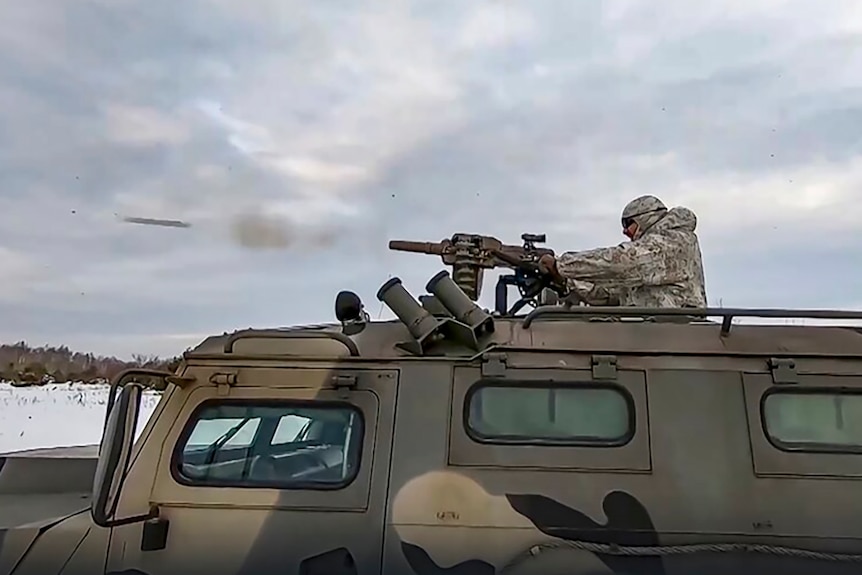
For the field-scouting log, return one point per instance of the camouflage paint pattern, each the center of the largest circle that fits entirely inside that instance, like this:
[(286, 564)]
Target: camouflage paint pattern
[(661, 267), (428, 500)]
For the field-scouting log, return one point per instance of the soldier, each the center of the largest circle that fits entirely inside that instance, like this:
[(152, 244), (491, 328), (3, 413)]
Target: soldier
[(660, 267)]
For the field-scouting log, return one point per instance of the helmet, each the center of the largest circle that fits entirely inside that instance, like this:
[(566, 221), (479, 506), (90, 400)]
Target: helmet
[(645, 211)]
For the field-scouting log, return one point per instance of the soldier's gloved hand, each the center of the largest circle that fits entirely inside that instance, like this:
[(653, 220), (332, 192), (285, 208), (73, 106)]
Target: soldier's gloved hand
[(548, 265)]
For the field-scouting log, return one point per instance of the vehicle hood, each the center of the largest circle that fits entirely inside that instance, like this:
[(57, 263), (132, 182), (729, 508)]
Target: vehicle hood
[(39, 489), (16, 540)]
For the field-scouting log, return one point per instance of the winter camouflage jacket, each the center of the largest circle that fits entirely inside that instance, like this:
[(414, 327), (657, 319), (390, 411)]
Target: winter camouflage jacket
[(660, 268)]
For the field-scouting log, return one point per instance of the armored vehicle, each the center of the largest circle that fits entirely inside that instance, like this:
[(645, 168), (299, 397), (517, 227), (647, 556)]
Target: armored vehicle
[(569, 439)]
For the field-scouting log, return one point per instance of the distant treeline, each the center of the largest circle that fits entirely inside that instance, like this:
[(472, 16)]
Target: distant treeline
[(24, 365)]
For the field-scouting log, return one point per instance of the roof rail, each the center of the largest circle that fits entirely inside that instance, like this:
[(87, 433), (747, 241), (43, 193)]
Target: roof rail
[(727, 314), (297, 334)]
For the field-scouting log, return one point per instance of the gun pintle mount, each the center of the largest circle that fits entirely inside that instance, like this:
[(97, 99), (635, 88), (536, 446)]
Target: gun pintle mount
[(470, 254)]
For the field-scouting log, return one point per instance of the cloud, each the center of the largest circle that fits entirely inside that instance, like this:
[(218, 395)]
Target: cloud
[(140, 126), (297, 138)]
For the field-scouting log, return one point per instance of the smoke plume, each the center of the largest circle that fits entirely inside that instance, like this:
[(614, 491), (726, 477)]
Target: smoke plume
[(263, 232)]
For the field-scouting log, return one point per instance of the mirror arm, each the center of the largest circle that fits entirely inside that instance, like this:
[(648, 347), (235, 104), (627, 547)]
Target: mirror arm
[(121, 379), (153, 513)]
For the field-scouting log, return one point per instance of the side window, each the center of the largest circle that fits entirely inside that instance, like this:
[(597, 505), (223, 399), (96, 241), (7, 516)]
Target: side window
[(281, 445), (541, 414), (820, 420)]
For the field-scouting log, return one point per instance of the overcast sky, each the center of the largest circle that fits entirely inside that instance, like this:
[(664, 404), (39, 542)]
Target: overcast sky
[(297, 138)]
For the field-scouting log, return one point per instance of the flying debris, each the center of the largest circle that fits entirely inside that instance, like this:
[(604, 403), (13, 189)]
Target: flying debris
[(157, 222)]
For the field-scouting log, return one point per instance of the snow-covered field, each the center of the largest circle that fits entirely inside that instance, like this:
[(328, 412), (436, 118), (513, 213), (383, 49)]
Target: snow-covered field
[(56, 415)]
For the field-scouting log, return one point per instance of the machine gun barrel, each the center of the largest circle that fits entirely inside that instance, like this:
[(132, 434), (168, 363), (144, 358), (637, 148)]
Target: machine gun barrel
[(433, 248)]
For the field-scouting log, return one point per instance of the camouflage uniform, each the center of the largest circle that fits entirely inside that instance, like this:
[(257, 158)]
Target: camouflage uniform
[(660, 267)]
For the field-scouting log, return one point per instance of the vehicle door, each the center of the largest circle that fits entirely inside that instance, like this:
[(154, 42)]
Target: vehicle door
[(280, 474)]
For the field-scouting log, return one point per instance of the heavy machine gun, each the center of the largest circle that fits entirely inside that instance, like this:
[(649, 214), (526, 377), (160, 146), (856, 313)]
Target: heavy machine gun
[(470, 254)]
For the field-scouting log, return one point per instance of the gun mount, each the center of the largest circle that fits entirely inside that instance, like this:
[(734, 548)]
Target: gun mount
[(470, 254)]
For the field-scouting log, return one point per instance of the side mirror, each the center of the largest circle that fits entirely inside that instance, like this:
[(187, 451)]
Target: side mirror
[(114, 453)]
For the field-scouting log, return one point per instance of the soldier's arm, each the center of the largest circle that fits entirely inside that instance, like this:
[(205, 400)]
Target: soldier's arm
[(594, 294), (630, 264)]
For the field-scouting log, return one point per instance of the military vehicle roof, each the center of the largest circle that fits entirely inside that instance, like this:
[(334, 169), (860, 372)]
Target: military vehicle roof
[(550, 331)]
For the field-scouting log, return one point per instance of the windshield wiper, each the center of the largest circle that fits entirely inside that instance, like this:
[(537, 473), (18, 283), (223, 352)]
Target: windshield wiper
[(213, 447)]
